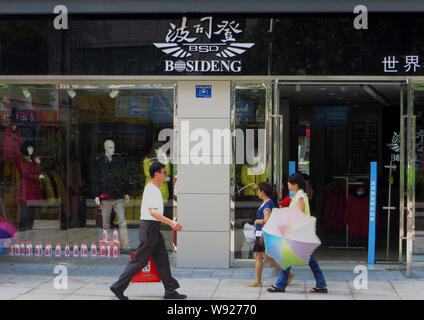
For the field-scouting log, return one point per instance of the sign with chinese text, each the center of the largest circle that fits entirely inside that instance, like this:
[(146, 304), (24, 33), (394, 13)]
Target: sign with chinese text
[(245, 111), (131, 106), (204, 45), (408, 64), (160, 110), (203, 91), (372, 213), (330, 116)]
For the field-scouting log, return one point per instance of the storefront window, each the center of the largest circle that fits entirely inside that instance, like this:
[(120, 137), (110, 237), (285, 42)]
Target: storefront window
[(76, 160), (33, 164)]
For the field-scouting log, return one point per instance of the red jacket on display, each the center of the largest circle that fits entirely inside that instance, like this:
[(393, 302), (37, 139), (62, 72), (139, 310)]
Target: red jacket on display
[(11, 143), (30, 187), (357, 215)]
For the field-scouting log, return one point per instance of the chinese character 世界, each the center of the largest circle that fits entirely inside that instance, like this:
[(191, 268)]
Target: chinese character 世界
[(412, 61), (390, 64), (200, 29), (179, 34), (228, 28)]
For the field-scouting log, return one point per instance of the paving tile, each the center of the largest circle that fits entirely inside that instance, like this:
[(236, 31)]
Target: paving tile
[(329, 296), (94, 289), (33, 296), (89, 297), (282, 296), (374, 297), (27, 282), (7, 293)]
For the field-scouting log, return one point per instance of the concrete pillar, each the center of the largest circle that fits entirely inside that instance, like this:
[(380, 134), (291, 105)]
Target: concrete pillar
[(203, 189)]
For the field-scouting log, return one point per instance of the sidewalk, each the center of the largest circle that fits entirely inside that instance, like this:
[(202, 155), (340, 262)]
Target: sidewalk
[(35, 282)]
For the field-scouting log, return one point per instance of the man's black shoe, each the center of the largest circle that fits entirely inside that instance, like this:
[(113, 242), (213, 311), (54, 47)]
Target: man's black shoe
[(174, 295), (120, 295)]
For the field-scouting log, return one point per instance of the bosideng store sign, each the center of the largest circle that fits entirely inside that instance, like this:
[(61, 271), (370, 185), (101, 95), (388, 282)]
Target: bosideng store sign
[(206, 45)]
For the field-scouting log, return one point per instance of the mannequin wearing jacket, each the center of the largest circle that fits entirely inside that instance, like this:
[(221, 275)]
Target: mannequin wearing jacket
[(357, 213), (12, 142), (30, 193), (110, 188)]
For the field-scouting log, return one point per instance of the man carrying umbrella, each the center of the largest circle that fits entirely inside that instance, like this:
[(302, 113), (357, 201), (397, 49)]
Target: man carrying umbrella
[(296, 183)]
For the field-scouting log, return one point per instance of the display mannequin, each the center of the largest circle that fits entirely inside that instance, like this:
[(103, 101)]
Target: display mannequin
[(30, 194), (11, 142), (109, 189)]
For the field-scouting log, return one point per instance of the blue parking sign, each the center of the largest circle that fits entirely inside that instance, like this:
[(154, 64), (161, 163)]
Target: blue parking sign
[(203, 91)]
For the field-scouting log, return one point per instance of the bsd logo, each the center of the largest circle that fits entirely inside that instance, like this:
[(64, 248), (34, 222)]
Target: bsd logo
[(202, 48)]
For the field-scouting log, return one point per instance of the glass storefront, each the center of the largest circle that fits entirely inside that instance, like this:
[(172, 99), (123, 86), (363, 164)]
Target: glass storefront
[(55, 136), (60, 180)]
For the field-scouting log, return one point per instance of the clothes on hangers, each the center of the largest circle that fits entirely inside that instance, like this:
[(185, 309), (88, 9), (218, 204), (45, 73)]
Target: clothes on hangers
[(334, 206), (357, 214)]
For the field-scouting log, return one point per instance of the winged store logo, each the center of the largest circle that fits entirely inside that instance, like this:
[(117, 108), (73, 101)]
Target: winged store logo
[(419, 147), (204, 38)]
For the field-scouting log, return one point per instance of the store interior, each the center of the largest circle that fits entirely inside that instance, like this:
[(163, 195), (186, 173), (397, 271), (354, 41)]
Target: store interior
[(340, 129), (332, 131)]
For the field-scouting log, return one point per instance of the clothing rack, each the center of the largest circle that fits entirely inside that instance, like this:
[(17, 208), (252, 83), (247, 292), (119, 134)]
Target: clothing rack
[(350, 180)]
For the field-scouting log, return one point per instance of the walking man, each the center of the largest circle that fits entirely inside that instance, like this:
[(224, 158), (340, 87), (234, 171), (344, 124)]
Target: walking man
[(151, 240)]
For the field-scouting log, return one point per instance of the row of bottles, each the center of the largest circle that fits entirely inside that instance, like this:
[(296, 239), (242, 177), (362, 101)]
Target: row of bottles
[(106, 248)]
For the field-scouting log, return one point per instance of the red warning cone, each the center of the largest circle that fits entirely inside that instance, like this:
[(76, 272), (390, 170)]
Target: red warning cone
[(148, 274)]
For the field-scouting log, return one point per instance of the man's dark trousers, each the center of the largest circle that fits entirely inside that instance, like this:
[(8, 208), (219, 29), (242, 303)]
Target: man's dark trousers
[(151, 245)]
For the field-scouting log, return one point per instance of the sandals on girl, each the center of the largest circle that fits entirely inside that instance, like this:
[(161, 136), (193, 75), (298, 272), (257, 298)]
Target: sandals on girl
[(318, 290), (254, 285), (273, 289)]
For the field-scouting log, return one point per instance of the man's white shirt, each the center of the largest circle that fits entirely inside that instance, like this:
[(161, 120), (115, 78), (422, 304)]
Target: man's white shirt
[(152, 199)]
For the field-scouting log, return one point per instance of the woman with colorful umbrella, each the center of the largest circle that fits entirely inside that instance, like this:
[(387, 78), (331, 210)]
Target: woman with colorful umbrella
[(266, 193), (296, 183)]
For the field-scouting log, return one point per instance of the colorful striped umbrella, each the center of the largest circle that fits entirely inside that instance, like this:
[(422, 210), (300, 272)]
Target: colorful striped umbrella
[(290, 236), (7, 235)]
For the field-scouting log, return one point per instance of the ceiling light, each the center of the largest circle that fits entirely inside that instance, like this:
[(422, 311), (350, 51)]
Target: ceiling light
[(343, 88), (113, 93), (375, 94), (26, 93), (72, 93)]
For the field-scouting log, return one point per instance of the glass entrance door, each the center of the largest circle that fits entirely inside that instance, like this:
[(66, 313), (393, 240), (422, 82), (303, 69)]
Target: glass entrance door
[(252, 163), (415, 175)]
